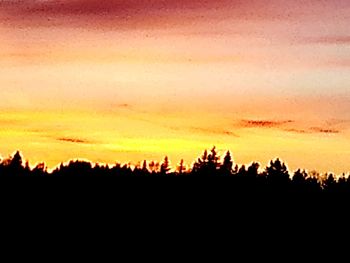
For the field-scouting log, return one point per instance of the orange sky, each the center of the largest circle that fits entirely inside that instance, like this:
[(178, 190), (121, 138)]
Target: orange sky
[(134, 80)]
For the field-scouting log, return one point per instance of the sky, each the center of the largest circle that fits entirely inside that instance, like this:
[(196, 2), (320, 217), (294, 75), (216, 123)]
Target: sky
[(140, 79)]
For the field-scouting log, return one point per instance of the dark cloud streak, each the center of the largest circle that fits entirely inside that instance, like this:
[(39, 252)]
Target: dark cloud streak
[(300, 131), (73, 140), (263, 123), (324, 130), (313, 130), (214, 131)]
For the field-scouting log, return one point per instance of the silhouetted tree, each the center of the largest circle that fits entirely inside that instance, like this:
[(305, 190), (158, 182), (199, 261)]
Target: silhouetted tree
[(329, 184), (242, 171), (144, 167), (17, 161), (40, 170), (299, 177), (299, 180), (277, 175), (165, 166), (226, 167), (235, 170), (13, 166), (201, 163), (342, 185), (181, 167), (154, 167), (208, 164), (213, 160), (253, 170)]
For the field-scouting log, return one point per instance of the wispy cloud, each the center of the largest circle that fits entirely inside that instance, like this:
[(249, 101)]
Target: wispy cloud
[(331, 40), (324, 130), (313, 130), (337, 121), (300, 131), (124, 105), (73, 140), (214, 131), (263, 123), (287, 126)]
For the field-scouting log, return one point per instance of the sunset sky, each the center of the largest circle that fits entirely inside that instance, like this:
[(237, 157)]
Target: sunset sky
[(128, 80)]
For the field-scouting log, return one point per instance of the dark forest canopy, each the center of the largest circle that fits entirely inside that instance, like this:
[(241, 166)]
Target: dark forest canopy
[(275, 176)]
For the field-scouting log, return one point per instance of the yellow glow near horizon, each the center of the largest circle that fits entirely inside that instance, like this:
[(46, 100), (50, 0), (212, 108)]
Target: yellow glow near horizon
[(121, 136)]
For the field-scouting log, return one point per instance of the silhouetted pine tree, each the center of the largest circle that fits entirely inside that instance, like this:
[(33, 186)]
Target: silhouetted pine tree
[(277, 175), (165, 166), (226, 167), (181, 167)]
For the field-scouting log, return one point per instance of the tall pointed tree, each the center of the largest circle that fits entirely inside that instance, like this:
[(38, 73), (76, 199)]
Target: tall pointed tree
[(226, 167), (165, 166)]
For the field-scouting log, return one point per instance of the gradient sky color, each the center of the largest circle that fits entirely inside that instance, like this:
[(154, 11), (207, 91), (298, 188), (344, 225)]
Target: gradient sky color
[(128, 80)]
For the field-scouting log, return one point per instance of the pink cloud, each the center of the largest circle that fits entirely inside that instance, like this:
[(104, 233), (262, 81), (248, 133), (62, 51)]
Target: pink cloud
[(153, 10)]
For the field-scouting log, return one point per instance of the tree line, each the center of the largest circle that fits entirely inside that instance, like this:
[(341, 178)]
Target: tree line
[(274, 177)]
